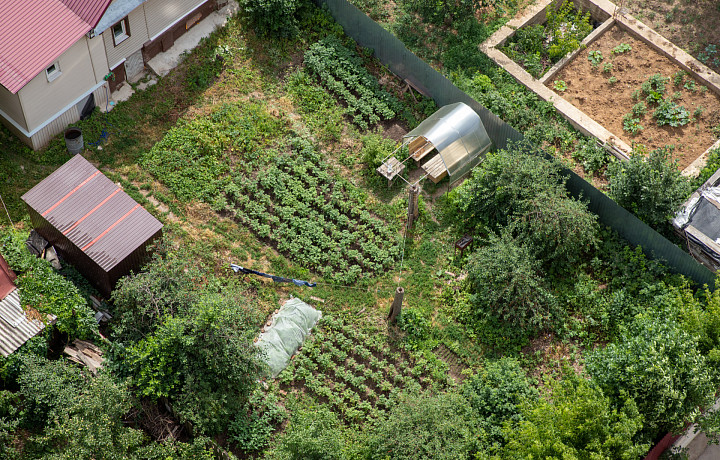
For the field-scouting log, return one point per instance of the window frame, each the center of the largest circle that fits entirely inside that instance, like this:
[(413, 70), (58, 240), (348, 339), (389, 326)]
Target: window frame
[(55, 73), (121, 37)]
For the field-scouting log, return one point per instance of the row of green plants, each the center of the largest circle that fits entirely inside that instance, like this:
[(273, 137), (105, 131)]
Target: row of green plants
[(358, 375), (342, 72), (537, 47), (313, 216)]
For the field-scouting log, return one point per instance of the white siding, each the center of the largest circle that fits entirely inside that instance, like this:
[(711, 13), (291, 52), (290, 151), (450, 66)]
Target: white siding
[(160, 14), (100, 63), (138, 37), (10, 104), (41, 100)]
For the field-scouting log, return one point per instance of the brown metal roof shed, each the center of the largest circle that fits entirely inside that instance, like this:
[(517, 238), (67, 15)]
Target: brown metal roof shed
[(92, 223)]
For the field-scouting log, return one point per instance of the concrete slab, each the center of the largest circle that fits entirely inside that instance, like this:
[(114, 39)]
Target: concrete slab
[(145, 84), (123, 93), (164, 62)]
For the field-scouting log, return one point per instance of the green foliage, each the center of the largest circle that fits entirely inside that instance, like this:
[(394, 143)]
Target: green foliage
[(319, 107), (639, 109), (502, 183), (595, 57), (314, 217), (415, 326), (439, 11), (652, 188), (671, 113), (592, 156), (342, 365), (658, 365), (558, 229), (191, 160), (423, 427), (341, 71), (191, 343), (45, 290), (276, 18), (375, 148), (495, 395), (576, 421), (252, 429), (607, 67), (525, 192), (507, 284), (312, 434), (631, 124), (560, 85), (537, 47), (711, 166), (622, 48), (9, 423)]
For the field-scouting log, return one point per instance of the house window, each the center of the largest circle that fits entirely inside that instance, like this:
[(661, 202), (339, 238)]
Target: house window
[(53, 71), (120, 31)]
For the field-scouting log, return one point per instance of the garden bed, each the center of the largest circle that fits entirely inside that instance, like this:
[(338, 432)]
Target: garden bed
[(609, 88), (692, 140)]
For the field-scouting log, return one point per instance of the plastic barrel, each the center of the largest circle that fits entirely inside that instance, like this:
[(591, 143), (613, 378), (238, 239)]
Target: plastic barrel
[(74, 141)]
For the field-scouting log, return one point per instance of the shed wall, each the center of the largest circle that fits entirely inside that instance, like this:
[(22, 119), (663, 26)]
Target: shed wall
[(68, 251), (161, 14)]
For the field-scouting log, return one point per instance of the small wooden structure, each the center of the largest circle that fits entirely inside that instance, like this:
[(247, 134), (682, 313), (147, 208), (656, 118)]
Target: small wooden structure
[(462, 244), (390, 169), (86, 354), (457, 136)]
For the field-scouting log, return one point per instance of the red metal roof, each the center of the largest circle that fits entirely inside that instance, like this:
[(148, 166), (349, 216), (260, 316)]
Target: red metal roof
[(92, 212), (34, 33), (7, 277)]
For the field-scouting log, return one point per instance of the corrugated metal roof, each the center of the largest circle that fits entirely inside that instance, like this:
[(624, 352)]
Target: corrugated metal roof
[(15, 327), (92, 212), (117, 10), (457, 133), (34, 33), (7, 277)]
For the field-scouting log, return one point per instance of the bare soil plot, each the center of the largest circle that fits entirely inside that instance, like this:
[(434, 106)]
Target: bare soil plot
[(589, 88), (690, 25)]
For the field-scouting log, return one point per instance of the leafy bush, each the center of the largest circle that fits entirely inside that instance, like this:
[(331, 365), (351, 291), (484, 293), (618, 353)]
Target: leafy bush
[(630, 124), (591, 155), (415, 326), (711, 166), (375, 149), (252, 429), (507, 284), (495, 395), (652, 188), (576, 421), (423, 427), (314, 434), (43, 289), (192, 343), (557, 229), (658, 365), (274, 17), (537, 47), (501, 184)]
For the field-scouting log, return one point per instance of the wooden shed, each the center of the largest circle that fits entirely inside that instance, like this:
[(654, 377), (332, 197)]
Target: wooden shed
[(92, 223)]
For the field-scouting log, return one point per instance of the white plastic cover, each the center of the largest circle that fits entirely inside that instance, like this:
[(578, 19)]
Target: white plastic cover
[(287, 332), (457, 133)]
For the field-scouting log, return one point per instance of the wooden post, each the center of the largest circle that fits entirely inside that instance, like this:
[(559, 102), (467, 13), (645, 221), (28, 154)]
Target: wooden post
[(396, 306), (413, 201)]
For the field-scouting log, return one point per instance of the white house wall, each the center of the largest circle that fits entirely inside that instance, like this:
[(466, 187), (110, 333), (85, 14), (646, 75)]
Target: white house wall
[(96, 48), (138, 37), (11, 106), (42, 100), (160, 14)]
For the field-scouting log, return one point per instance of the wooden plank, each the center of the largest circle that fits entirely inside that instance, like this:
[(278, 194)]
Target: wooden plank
[(396, 166), (435, 169)]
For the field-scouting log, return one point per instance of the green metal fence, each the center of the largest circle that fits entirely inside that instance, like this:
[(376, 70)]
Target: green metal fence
[(403, 63)]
